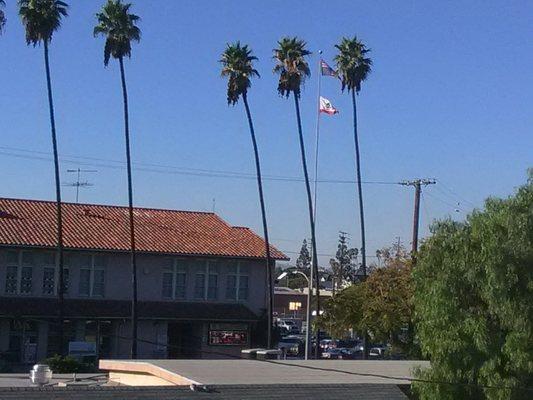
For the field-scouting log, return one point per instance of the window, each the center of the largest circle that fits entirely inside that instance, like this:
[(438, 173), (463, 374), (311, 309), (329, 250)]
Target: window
[(199, 285), (19, 272), (49, 273), (206, 280), (231, 287), (175, 279), (243, 287), (237, 282), (92, 276)]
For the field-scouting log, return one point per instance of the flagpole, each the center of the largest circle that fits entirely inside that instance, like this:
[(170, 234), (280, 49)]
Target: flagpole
[(315, 184), (317, 134)]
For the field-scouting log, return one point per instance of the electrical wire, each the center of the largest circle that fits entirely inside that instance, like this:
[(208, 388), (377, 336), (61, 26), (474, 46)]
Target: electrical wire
[(169, 169)]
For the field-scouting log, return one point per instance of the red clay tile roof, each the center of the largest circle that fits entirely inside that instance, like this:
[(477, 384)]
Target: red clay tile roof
[(100, 227)]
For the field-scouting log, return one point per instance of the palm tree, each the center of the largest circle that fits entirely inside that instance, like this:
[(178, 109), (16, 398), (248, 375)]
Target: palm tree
[(293, 70), (41, 18), (353, 67), (117, 24), (237, 65), (2, 16)]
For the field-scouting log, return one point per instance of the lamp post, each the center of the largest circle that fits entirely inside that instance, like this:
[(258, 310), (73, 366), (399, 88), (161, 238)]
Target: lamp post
[(308, 317)]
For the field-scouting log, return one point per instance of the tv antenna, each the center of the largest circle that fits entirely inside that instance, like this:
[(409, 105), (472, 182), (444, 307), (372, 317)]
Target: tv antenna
[(78, 182)]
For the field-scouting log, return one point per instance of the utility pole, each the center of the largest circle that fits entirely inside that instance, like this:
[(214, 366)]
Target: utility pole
[(78, 183), (417, 183)]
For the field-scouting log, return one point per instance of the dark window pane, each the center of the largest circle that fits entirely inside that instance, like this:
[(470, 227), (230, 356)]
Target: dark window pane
[(243, 287), (99, 282), (181, 285), (48, 280), (26, 280), (167, 285), (199, 286), (85, 282), (212, 289), (231, 287), (11, 279)]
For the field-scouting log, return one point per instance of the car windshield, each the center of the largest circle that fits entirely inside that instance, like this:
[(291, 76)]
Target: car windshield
[(290, 340), (289, 323)]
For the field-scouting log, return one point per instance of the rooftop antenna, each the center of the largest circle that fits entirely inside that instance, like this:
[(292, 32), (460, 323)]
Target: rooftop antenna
[(78, 183)]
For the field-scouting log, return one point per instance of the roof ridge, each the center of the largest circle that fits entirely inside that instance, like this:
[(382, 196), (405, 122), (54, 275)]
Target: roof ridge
[(108, 205)]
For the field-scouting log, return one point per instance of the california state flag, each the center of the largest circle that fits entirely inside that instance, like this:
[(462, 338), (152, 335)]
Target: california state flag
[(326, 107)]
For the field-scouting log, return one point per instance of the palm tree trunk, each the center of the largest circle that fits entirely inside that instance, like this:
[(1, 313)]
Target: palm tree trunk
[(269, 264), (311, 217), (361, 210), (59, 217), (131, 221)]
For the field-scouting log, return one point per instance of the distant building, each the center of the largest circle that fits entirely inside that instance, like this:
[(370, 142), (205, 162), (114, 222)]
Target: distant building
[(292, 303), (201, 282)]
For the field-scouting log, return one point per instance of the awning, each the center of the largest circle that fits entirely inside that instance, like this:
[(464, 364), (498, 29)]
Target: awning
[(16, 307)]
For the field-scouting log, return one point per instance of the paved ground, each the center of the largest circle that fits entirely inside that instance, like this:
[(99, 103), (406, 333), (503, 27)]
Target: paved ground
[(253, 372)]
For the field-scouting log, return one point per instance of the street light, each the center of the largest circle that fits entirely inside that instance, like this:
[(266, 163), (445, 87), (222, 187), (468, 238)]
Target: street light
[(308, 317)]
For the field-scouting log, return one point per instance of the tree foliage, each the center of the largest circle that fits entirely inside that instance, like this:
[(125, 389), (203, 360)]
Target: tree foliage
[(291, 65), (41, 18), (237, 65), (381, 305), (353, 65), (2, 16), (474, 302), (117, 24), (344, 265)]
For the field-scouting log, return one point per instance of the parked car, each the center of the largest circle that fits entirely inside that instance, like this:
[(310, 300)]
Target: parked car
[(377, 352), (332, 354), (291, 345), (288, 326), (326, 344)]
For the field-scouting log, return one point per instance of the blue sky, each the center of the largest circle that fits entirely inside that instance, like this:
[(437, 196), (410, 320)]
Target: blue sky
[(450, 97)]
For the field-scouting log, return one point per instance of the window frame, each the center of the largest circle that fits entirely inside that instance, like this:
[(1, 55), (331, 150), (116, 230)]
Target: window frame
[(179, 266), (92, 268), (238, 274), (20, 265)]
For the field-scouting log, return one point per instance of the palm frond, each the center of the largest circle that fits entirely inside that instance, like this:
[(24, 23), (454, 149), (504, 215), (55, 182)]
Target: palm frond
[(41, 18), (117, 24), (353, 65), (237, 64), (2, 17), (291, 65)]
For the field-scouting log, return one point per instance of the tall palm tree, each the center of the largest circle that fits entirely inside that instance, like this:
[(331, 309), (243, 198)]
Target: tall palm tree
[(293, 70), (237, 65), (353, 67), (2, 16), (117, 24), (41, 18)]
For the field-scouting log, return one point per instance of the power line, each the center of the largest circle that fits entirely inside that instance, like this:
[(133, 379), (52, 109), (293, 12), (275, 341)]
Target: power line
[(170, 169)]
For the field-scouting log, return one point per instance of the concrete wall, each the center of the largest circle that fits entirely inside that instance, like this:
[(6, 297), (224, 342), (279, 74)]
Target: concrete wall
[(150, 275)]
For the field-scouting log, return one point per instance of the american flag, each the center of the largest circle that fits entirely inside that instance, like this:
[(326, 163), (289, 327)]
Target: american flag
[(326, 69)]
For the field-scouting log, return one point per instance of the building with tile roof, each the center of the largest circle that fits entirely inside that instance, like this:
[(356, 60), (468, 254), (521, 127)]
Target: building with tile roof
[(202, 282)]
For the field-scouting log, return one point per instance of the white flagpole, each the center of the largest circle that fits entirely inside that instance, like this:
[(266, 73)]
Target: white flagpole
[(317, 134)]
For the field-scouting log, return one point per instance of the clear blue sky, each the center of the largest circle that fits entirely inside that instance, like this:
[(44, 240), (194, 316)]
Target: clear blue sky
[(450, 97)]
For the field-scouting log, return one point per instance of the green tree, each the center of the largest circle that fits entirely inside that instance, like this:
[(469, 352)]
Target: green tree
[(474, 302), (353, 67), (304, 258), (118, 25), (41, 18), (293, 69), (381, 305), (343, 265), (2, 16), (237, 65)]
